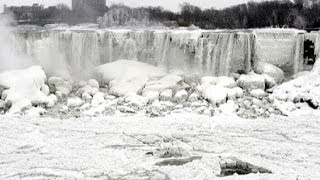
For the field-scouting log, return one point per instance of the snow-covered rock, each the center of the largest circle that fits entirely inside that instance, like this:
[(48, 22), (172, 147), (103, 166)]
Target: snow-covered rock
[(232, 94), (156, 109), (82, 84), (270, 81), (229, 108), (127, 76), (125, 109), (135, 101), (209, 80), (24, 87), (59, 84), (45, 89), (98, 99), (269, 69), (86, 96), (75, 102), (194, 97), (35, 112), (251, 81), (93, 83), (53, 98), (258, 93), (239, 92), (215, 94), (227, 82), (151, 95), (51, 103), (170, 81), (2, 104), (87, 89), (181, 96), (192, 79), (222, 81), (65, 92), (166, 95), (304, 88)]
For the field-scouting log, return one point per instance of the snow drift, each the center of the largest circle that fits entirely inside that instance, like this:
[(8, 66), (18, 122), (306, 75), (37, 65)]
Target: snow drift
[(23, 87)]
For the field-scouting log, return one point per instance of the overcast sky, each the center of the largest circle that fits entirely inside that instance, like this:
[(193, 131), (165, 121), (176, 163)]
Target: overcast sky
[(167, 4)]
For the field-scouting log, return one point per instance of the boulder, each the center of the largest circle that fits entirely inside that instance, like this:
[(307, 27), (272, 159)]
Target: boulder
[(210, 80), (270, 82), (194, 97), (127, 76), (181, 96), (45, 89), (93, 83), (227, 82), (229, 108), (151, 95), (82, 84), (75, 102), (239, 92), (215, 94), (252, 81), (86, 96), (87, 89), (222, 81), (166, 95), (135, 101), (65, 92), (98, 99), (24, 86), (170, 81), (35, 112), (269, 69), (192, 79), (258, 93), (156, 109), (125, 109), (232, 94), (55, 82)]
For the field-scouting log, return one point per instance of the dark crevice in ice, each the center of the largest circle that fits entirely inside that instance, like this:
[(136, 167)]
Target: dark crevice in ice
[(235, 166)]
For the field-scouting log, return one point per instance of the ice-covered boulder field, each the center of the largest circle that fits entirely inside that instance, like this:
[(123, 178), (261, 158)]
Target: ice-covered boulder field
[(130, 87)]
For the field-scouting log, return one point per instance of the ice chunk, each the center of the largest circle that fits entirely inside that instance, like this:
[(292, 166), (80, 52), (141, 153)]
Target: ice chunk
[(127, 76), (251, 81), (269, 69), (75, 102), (24, 87)]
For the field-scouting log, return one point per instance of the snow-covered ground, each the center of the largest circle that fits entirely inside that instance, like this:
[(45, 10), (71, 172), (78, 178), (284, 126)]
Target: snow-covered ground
[(113, 147)]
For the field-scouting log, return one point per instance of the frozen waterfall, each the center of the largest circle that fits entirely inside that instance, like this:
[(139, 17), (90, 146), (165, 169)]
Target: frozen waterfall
[(72, 51)]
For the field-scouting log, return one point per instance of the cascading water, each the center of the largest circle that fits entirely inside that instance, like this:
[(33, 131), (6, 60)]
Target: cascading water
[(74, 52)]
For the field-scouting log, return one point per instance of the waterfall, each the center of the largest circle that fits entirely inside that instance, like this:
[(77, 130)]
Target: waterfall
[(74, 52), (281, 47)]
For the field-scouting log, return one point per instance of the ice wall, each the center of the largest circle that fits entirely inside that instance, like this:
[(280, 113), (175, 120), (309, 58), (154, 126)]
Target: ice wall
[(77, 51)]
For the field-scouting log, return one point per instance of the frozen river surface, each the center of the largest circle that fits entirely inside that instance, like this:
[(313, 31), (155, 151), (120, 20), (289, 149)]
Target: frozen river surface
[(130, 147)]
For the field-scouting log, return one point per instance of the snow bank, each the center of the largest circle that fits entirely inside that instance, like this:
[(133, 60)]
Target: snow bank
[(24, 87), (127, 76), (304, 88)]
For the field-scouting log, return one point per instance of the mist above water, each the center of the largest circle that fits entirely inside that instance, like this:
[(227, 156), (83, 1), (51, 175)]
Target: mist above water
[(9, 59)]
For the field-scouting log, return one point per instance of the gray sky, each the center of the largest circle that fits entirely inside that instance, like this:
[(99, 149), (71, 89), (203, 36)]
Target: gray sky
[(167, 4)]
